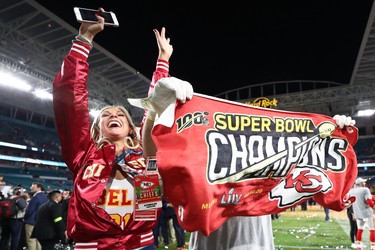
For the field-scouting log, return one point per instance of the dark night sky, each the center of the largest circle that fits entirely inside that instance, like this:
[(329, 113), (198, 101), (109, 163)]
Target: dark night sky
[(222, 46)]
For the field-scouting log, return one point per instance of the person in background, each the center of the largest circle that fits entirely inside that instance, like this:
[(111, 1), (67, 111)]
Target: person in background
[(5, 225), (239, 232), (12, 227), (162, 226), (22, 244), (18, 224), (353, 225), (103, 159), (304, 206), (39, 197), (179, 231), (274, 216), (49, 227), (65, 205), (363, 207), (27, 197), (326, 212)]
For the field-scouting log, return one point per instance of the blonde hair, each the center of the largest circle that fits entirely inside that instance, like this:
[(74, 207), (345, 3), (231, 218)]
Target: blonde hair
[(132, 140)]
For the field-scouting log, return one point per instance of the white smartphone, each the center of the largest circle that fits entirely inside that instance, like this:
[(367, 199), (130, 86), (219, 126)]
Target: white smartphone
[(88, 15)]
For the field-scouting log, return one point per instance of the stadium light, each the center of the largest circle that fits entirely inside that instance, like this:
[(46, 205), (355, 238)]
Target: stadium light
[(12, 81), (94, 113), (12, 145), (366, 112), (42, 94)]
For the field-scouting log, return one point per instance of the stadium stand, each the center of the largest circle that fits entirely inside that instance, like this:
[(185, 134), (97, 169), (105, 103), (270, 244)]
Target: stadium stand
[(30, 153)]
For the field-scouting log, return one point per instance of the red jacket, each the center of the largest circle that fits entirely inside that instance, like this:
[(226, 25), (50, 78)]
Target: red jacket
[(86, 222)]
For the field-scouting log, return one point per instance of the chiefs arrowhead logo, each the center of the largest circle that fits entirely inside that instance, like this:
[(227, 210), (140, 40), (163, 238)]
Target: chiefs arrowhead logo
[(304, 182)]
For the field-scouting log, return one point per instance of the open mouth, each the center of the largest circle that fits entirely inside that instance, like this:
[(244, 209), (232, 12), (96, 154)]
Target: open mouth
[(114, 124)]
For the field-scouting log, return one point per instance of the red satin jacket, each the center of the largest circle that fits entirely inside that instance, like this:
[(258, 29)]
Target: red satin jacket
[(88, 224)]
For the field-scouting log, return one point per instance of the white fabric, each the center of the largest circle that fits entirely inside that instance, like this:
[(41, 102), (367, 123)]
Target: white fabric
[(166, 91), (167, 118), (342, 120), (116, 203), (361, 223), (237, 233)]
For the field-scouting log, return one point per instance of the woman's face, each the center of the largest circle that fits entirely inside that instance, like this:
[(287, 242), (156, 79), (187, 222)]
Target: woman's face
[(113, 124)]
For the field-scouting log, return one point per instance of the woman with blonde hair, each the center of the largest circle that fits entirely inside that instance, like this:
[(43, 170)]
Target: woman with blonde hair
[(105, 158)]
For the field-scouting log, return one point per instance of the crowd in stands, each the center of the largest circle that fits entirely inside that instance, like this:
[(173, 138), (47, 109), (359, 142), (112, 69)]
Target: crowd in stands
[(31, 135), (365, 150), (41, 161)]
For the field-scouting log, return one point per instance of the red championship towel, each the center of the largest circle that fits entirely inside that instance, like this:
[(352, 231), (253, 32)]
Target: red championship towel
[(220, 159)]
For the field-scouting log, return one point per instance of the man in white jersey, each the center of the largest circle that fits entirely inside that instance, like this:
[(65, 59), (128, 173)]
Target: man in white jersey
[(363, 211)]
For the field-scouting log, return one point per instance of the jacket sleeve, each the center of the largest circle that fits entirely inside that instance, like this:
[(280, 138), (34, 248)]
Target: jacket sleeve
[(70, 104), (31, 209), (161, 71)]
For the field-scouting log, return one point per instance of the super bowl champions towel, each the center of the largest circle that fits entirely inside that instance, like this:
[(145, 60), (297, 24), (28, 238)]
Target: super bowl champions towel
[(220, 159)]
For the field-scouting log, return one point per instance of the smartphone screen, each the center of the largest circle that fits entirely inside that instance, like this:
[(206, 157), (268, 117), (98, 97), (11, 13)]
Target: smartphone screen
[(88, 15)]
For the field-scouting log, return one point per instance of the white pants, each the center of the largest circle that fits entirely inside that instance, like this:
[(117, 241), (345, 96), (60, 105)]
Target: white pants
[(361, 223)]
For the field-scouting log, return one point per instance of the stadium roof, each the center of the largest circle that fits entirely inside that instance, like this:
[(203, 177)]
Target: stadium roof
[(33, 43)]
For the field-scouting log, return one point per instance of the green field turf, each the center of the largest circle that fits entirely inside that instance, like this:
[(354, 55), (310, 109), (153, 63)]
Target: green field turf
[(309, 230)]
